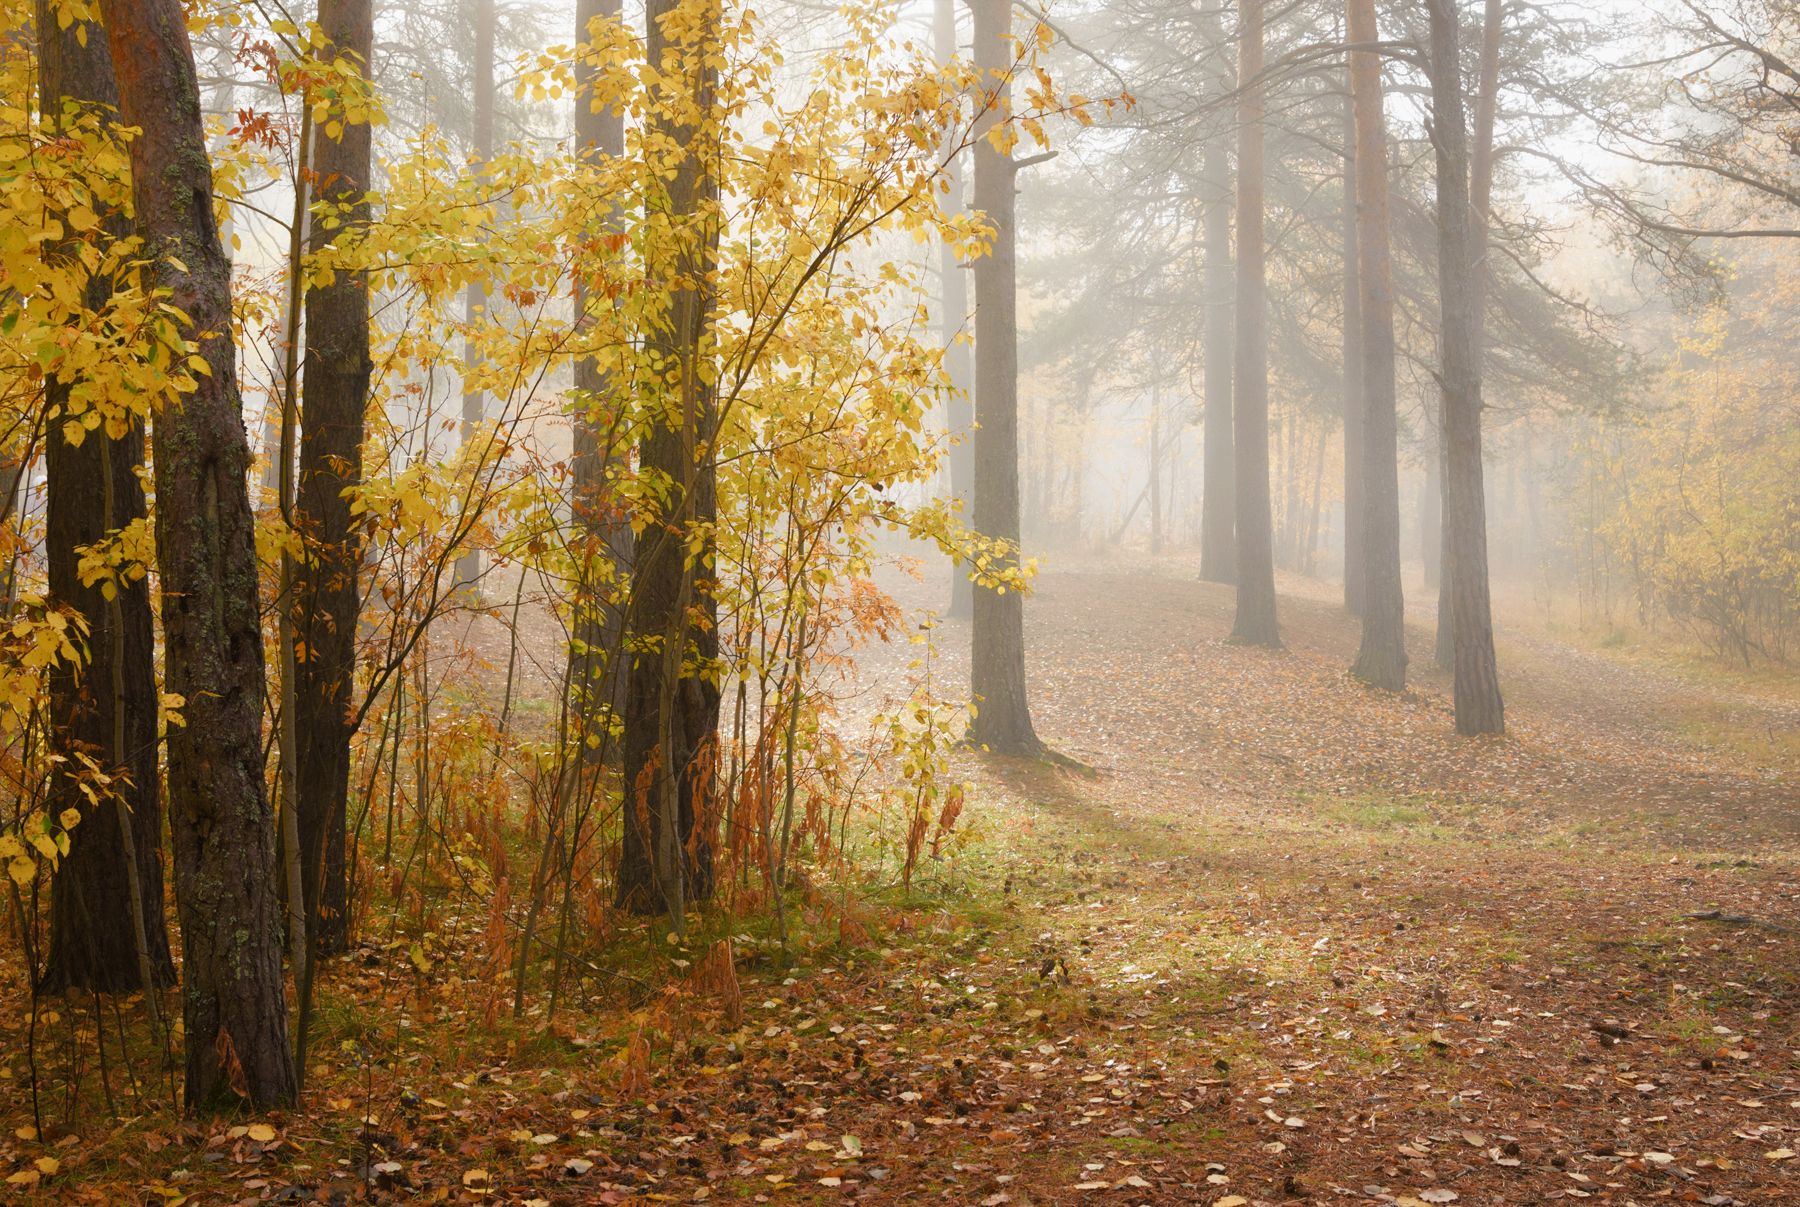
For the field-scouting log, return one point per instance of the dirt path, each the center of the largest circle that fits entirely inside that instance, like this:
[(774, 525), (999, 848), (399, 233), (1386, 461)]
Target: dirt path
[(1283, 941), (1291, 941)]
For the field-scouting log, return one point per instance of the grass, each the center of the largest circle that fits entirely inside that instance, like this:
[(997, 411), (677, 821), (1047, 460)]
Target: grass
[(1377, 814)]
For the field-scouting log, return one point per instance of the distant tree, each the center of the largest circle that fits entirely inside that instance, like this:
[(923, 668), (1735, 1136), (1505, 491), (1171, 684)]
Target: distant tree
[(1381, 658), (102, 936), (1255, 623), (475, 299), (997, 654), (953, 297), (1218, 501), (226, 890), (1353, 373)]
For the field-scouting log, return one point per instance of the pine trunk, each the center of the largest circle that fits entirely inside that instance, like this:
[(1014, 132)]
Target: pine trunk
[(226, 887), (1353, 375), (1381, 659), (1218, 547), (1255, 623), (1479, 709), (327, 596), (997, 657)]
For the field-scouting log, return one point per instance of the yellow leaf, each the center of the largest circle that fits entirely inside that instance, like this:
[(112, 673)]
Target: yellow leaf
[(262, 1133)]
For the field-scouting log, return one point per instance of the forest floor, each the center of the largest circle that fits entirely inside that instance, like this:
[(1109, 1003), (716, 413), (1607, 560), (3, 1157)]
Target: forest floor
[(1265, 937)]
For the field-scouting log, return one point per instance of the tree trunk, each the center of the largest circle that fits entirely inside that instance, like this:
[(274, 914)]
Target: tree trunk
[(1479, 709), (1002, 720), (596, 678), (1443, 649), (1431, 507), (1255, 623), (475, 299), (1309, 553), (953, 289), (671, 706), (1354, 565), (1218, 504), (327, 596), (226, 888), (100, 939), (1381, 659), (1156, 480)]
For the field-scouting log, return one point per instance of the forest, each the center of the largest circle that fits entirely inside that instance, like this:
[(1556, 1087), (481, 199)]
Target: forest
[(900, 601)]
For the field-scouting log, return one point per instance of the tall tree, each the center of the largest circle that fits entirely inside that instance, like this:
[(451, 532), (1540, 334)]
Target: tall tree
[(606, 543), (1479, 708), (672, 699), (327, 596), (1381, 659), (1353, 372), (1218, 546), (1255, 623), (953, 289), (997, 655), (475, 299), (227, 899), (102, 936)]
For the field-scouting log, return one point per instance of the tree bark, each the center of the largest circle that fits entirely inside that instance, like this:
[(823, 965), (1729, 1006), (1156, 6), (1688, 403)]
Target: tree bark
[(327, 595), (1353, 373), (1255, 623), (100, 940), (958, 359), (1218, 504), (597, 678), (226, 889), (1479, 709), (1381, 659), (672, 703), (1002, 721)]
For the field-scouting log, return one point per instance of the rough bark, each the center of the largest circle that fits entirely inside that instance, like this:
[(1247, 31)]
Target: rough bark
[(1255, 623), (958, 358), (596, 678), (1479, 709), (327, 596), (1381, 658), (1218, 504), (997, 655), (1353, 375), (671, 704), (226, 889), (106, 710)]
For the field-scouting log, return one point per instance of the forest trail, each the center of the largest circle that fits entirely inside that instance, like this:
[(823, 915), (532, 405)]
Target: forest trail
[(1292, 941), (1279, 940)]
